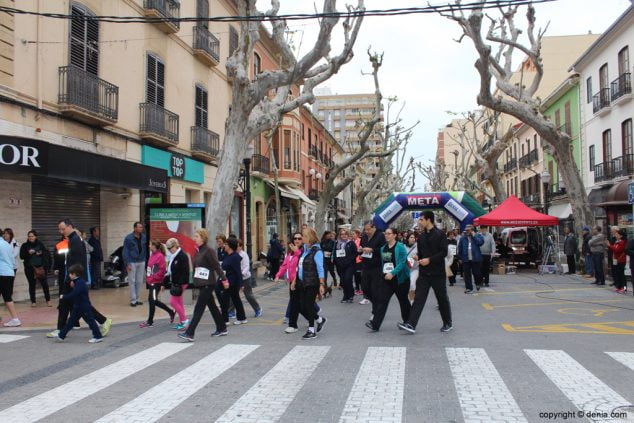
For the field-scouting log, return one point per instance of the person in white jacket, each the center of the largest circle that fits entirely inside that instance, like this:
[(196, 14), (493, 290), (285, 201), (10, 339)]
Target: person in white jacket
[(412, 258)]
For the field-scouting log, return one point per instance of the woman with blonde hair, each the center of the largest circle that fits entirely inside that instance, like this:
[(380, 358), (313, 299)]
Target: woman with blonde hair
[(177, 277)]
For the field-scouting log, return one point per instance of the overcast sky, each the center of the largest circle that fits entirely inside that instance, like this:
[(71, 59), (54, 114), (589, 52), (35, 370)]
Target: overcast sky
[(423, 66)]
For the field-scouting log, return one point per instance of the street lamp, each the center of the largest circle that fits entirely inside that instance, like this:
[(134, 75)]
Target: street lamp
[(545, 180), (246, 188)]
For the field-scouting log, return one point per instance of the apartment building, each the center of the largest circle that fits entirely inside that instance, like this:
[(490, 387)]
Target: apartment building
[(102, 118), (607, 109)]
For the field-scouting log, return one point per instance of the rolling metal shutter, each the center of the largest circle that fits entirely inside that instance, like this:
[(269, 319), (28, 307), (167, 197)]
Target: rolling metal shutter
[(55, 199)]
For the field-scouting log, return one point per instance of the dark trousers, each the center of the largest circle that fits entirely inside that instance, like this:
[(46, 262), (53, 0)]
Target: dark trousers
[(471, 268), (206, 299), (329, 267), (345, 276), (485, 268), (599, 274), (303, 301), (95, 274), (423, 283), (64, 308), (454, 270), (289, 308), (274, 267), (370, 278), (232, 295), (83, 311), (153, 301), (619, 275), (30, 276), (357, 278), (383, 294), (572, 265), (248, 294)]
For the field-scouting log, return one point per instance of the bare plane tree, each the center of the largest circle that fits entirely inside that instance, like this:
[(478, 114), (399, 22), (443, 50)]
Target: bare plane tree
[(436, 175), (252, 110), (495, 50)]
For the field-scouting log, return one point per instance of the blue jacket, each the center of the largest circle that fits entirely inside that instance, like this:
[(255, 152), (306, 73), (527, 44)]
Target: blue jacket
[(463, 248), (131, 251), (79, 295), (401, 269), (7, 259), (232, 269)]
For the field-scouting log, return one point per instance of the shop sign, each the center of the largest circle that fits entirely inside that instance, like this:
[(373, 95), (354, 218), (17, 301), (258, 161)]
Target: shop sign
[(22, 155), (178, 166)]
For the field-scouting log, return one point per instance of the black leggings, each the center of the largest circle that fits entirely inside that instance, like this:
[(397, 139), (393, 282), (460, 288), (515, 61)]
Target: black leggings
[(232, 295), (30, 276), (329, 266), (206, 299), (303, 301), (153, 301), (346, 274), (6, 288)]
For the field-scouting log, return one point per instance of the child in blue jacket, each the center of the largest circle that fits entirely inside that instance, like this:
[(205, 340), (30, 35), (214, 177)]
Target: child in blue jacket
[(81, 305)]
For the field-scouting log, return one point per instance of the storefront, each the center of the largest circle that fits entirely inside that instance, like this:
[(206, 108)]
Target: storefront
[(42, 183), (617, 207)]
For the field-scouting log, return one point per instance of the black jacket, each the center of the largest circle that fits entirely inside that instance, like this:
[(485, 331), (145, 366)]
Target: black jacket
[(432, 244), (630, 251), (328, 248), (76, 254), (376, 242), (351, 255), (180, 269), (97, 253), (275, 249), (36, 260)]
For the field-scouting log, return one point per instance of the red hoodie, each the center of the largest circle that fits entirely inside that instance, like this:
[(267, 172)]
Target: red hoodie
[(618, 249), (156, 268), (291, 261)]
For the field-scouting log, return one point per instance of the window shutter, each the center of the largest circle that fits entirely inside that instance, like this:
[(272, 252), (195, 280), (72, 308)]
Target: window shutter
[(202, 11), (201, 107), (77, 52), (160, 84), (92, 46), (84, 41), (234, 39), (151, 80)]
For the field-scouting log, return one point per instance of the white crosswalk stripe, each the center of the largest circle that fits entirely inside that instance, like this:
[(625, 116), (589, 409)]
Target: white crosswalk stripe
[(281, 383), (377, 393), (626, 359), (587, 392), (474, 374), (5, 339), (49, 402), (158, 401)]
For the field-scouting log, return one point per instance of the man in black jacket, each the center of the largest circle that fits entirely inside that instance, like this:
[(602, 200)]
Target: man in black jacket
[(96, 257), (432, 250), (370, 250)]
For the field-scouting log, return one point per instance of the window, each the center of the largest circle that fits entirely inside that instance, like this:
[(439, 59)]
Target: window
[(200, 110), (589, 90), (302, 131), (257, 64), (84, 40), (155, 84), (234, 39), (603, 76), (591, 157), (626, 138), (287, 149), (558, 118), (607, 146), (202, 11), (310, 137), (567, 119), (624, 60)]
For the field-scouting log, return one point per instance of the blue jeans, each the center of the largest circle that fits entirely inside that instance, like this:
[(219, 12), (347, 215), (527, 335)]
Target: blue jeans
[(589, 265), (471, 268), (598, 268)]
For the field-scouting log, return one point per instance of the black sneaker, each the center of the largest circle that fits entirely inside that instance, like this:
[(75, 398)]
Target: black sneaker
[(309, 335), (370, 326), (478, 287), (469, 291), (132, 304), (185, 337), (406, 327), (321, 325), (139, 303), (486, 285), (446, 328), (219, 333)]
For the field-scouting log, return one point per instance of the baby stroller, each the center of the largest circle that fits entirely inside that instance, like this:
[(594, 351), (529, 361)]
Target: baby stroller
[(114, 270)]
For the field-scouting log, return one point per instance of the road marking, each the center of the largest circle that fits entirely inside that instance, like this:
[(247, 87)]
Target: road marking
[(49, 402), (626, 359), (490, 307), (540, 290), (162, 398), (474, 373), (602, 328), (581, 311), (377, 393), (269, 398), (582, 388), (5, 339)]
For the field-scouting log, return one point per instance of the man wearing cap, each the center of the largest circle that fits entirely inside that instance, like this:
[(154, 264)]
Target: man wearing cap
[(587, 254)]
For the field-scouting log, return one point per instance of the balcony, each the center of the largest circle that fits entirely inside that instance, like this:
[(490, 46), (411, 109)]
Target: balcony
[(260, 164), (623, 166), (557, 190), (158, 125), (164, 11), (530, 158), (313, 194), (312, 151), (603, 172), (621, 87), (205, 144), (601, 101), (530, 199), (206, 46), (510, 165), (87, 97)]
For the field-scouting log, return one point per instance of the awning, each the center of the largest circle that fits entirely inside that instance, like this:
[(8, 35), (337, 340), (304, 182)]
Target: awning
[(512, 212), (301, 195), (562, 211), (597, 196), (617, 195), (284, 191)]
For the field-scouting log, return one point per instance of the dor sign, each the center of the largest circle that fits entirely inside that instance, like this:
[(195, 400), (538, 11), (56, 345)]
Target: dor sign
[(23, 155)]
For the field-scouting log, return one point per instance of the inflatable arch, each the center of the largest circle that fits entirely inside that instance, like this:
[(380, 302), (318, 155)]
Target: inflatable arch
[(460, 205)]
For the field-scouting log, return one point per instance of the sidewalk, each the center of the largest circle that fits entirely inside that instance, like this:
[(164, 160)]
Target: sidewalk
[(111, 302)]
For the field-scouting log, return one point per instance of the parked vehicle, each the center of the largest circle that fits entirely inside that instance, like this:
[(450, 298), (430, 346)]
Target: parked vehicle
[(114, 270), (523, 244)]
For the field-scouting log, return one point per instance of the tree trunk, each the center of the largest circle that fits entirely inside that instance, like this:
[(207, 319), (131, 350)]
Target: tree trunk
[(278, 199)]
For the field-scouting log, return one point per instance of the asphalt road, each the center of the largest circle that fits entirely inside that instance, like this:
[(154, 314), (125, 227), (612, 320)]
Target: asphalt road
[(530, 347)]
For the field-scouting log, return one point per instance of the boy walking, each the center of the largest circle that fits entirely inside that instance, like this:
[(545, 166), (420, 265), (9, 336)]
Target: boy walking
[(81, 305)]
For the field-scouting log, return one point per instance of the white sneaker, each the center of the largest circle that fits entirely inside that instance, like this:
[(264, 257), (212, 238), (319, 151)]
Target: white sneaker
[(290, 330), (364, 301), (95, 340), (240, 322), (52, 334), (13, 323)]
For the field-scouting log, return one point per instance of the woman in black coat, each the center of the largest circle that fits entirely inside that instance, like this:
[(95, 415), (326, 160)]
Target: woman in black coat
[(36, 265)]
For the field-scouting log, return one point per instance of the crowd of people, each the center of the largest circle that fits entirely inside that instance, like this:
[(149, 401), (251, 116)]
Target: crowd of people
[(372, 264)]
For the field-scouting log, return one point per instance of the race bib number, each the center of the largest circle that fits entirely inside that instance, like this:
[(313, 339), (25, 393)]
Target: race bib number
[(615, 262), (148, 271), (388, 267), (201, 273), (341, 253), (327, 254), (367, 255), (411, 262), (452, 249)]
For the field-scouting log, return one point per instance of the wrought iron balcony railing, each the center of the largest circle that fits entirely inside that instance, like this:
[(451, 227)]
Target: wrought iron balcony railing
[(167, 9), (601, 100), (207, 44), (621, 86), (205, 142), (82, 92), (260, 163), (158, 123)]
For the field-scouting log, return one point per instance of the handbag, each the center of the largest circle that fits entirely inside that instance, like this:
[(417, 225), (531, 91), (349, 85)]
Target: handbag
[(39, 272), (176, 290)]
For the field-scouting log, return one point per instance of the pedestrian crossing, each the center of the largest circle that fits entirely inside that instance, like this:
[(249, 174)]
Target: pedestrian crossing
[(5, 339), (376, 393)]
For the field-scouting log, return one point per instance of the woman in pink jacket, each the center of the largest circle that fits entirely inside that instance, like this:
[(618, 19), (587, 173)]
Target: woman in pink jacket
[(155, 274)]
